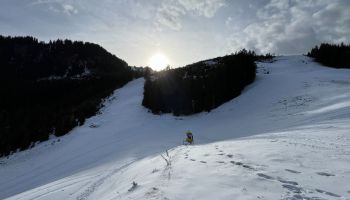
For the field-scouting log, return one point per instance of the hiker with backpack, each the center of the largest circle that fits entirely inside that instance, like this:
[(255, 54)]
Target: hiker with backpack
[(189, 138)]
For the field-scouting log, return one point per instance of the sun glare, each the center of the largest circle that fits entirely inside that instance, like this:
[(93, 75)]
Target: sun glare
[(158, 61)]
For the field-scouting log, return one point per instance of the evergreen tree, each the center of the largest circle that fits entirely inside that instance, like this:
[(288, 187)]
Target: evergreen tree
[(332, 55)]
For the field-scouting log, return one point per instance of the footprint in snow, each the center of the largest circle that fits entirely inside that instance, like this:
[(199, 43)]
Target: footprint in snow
[(221, 154), (286, 181), (206, 155), (203, 161), (229, 155), (293, 188), (220, 162), (243, 165), (327, 193), (292, 171), (324, 174), (239, 163), (236, 163), (152, 191), (265, 176), (302, 197), (247, 166), (192, 159)]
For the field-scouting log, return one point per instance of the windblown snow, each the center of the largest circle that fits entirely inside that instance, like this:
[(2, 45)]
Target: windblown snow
[(286, 137)]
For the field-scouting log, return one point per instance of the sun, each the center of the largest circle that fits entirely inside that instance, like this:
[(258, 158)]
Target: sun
[(158, 61)]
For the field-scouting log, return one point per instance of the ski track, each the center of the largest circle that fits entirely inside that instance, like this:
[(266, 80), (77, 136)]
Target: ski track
[(99, 182), (296, 114)]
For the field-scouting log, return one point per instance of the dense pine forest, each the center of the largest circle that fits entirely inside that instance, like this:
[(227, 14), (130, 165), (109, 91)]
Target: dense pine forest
[(49, 88), (201, 86), (332, 55)]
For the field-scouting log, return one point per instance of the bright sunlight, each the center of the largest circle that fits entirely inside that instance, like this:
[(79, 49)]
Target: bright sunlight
[(158, 61)]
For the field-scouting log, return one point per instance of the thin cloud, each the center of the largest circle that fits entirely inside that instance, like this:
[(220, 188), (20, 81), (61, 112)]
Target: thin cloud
[(206, 8), (58, 6), (69, 9), (172, 13)]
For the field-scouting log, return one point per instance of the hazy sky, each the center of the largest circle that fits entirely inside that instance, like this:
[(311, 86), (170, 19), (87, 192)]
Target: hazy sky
[(184, 30)]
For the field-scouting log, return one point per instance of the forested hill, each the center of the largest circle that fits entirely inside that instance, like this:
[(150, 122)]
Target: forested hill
[(200, 86), (49, 88)]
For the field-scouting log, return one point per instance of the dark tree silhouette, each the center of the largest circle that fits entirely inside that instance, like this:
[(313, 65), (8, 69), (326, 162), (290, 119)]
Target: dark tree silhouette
[(201, 86), (332, 55), (49, 88)]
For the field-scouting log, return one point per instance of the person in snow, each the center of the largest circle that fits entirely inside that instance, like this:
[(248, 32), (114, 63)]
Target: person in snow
[(189, 138)]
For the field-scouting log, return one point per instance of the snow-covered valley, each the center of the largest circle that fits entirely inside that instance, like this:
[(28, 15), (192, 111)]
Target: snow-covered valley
[(286, 137)]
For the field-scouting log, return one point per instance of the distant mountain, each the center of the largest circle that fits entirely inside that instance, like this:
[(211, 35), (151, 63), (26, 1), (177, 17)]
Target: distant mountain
[(49, 88), (201, 86)]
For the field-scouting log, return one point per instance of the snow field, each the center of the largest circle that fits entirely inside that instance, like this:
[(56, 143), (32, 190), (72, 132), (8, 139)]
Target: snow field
[(297, 164)]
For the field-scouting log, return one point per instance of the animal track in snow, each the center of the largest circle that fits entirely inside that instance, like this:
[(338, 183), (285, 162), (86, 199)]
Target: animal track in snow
[(152, 192), (247, 166), (327, 193), (243, 165), (292, 171), (293, 188), (324, 174), (298, 191), (236, 163), (302, 197), (265, 176), (286, 181)]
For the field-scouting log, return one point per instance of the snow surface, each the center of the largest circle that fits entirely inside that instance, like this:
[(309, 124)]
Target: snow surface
[(85, 74), (286, 137), (210, 62)]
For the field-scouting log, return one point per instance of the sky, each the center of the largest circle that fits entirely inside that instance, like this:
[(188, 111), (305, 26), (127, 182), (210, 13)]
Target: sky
[(185, 31)]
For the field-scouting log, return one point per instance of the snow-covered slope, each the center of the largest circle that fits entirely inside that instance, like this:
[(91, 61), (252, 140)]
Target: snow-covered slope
[(307, 163), (286, 137)]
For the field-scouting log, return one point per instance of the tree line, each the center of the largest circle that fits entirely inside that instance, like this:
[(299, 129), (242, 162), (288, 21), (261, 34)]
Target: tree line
[(332, 55)]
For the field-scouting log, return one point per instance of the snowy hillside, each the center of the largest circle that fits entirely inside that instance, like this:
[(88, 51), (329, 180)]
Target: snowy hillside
[(286, 137)]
